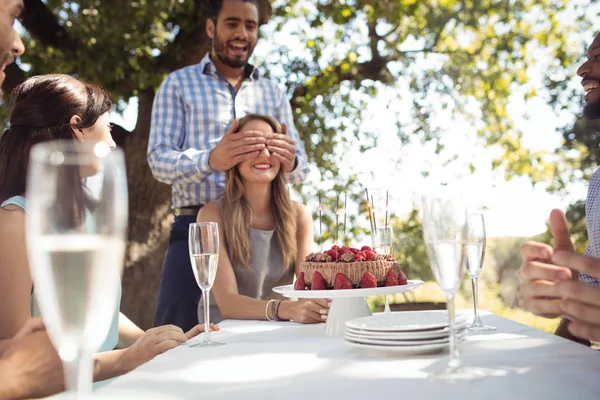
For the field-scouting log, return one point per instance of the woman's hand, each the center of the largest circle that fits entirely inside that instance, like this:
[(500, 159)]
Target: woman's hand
[(305, 311), (198, 329), (156, 341)]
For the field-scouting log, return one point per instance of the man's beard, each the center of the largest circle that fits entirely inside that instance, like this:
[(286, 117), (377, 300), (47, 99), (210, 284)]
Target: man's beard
[(220, 48), (592, 110)]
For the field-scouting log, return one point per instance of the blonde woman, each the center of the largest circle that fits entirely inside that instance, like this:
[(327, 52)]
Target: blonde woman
[(264, 237)]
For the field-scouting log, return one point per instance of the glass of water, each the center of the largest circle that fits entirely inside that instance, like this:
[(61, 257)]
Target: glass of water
[(445, 233), (204, 255), (76, 235), (476, 240), (383, 241)]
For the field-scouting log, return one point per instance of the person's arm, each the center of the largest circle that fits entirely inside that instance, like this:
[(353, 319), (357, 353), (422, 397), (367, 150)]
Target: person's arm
[(152, 343), (15, 278), (31, 326), (304, 237), (285, 116), (169, 162), (563, 327), (31, 368), (233, 305), (4, 345), (8, 388), (128, 332)]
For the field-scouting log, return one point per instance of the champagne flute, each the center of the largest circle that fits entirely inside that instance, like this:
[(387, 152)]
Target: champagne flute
[(76, 245), (444, 233), (476, 240), (383, 244), (204, 255)]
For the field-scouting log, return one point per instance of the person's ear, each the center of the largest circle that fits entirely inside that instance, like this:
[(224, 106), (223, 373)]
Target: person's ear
[(77, 132), (210, 28)]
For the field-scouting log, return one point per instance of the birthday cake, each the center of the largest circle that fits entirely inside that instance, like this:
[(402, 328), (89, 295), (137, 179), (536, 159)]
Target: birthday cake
[(348, 268)]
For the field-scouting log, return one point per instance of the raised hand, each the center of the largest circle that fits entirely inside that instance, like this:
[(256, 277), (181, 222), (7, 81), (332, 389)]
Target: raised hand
[(236, 147), (580, 301), (539, 274)]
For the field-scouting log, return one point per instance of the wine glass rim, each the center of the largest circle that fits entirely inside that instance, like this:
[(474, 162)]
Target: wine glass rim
[(72, 152), (203, 223)]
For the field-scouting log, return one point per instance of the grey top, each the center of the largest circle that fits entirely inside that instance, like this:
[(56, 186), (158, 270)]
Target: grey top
[(266, 271)]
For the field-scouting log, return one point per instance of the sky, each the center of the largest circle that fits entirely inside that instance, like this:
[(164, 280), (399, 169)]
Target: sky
[(510, 208)]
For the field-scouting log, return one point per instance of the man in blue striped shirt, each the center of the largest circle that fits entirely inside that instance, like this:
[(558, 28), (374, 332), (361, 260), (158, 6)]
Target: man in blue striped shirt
[(192, 141), (559, 282)]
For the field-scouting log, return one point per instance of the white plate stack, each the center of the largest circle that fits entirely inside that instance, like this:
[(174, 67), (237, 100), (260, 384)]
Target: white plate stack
[(408, 332)]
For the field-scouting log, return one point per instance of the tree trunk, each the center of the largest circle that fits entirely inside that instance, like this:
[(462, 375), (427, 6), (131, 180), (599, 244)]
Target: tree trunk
[(150, 216), (150, 220)]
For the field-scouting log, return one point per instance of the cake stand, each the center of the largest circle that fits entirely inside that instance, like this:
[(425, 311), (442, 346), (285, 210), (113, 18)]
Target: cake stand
[(346, 304)]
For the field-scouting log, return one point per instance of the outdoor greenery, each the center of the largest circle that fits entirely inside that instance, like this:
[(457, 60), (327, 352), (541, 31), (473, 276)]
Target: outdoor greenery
[(463, 57)]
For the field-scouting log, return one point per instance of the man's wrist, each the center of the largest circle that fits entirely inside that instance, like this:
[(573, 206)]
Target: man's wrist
[(204, 163)]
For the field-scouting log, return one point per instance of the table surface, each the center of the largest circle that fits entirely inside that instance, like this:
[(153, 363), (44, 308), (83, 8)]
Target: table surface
[(285, 360)]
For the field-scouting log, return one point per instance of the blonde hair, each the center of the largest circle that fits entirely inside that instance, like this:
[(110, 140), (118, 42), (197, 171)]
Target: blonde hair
[(237, 213)]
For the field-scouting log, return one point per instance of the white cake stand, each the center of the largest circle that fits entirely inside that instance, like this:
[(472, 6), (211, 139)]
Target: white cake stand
[(346, 304)]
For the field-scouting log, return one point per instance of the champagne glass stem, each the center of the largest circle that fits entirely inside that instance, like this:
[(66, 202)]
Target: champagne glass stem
[(475, 299), (454, 361), (206, 299), (79, 374)]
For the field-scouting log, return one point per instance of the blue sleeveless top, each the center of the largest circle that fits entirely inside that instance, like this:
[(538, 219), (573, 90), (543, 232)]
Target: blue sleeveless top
[(113, 334)]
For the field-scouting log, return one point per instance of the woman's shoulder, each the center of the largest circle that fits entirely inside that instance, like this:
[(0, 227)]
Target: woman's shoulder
[(300, 207), (12, 217), (210, 212), (302, 212), (12, 225)]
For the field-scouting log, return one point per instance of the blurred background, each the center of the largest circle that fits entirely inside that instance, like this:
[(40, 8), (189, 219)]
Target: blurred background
[(476, 96)]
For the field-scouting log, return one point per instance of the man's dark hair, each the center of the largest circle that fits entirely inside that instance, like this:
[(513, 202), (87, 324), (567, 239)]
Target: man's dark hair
[(213, 7)]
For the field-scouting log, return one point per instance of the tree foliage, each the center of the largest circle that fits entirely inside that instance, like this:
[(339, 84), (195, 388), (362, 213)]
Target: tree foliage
[(461, 56)]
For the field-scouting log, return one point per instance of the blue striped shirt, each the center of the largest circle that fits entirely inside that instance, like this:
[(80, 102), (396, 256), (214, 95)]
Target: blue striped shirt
[(192, 110), (592, 215)]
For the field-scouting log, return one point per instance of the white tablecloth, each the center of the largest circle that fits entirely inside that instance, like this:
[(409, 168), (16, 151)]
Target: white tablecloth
[(285, 360)]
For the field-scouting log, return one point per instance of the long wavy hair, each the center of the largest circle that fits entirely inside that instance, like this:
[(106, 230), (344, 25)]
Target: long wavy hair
[(41, 111), (237, 213)]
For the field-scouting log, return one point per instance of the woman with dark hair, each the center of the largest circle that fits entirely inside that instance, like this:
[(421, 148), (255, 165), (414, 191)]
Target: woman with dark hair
[(264, 238), (47, 108)]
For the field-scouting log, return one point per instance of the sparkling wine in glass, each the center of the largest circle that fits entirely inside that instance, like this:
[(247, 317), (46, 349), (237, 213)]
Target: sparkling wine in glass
[(445, 233), (383, 242), (76, 235), (204, 256), (476, 240)]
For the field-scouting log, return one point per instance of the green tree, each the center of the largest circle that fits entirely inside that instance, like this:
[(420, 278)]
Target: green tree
[(409, 247), (466, 56)]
